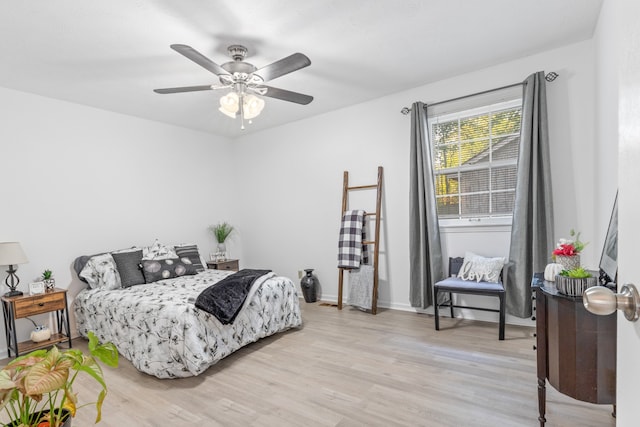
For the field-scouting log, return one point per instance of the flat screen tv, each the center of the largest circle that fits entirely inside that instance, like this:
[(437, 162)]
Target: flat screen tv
[(609, 259)]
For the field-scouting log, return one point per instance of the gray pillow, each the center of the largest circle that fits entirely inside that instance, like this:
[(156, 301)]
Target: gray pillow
[(128, 264), (79, 263), (191, 253), (160, 269)]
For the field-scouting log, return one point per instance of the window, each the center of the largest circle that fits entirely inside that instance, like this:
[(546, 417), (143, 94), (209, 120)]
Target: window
[(475, 154)]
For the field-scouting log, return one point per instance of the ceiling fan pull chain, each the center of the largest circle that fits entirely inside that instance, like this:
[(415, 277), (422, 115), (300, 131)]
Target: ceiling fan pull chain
[(241, 111)]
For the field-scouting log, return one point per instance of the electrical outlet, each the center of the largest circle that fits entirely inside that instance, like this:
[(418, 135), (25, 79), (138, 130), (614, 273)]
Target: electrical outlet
[(300, 274)]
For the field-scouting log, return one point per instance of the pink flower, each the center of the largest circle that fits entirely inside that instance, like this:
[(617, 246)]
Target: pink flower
[(566, 249)]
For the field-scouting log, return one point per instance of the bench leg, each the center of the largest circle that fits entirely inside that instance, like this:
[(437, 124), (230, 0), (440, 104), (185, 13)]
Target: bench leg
[(502, 315), (451, 303), (435, 309)]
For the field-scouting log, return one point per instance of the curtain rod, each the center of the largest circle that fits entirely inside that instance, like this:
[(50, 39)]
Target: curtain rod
[(549, 77)]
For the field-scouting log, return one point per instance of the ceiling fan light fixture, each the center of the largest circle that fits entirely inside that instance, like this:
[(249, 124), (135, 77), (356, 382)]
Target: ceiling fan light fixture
[(252, 105)]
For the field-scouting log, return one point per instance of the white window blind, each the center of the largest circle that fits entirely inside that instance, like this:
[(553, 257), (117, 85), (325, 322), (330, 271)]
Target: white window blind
[(475, 144)]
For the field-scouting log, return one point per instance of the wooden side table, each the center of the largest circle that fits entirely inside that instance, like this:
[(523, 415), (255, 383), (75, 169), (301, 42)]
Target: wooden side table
[(229, 264), (19, 307), (576, 350)]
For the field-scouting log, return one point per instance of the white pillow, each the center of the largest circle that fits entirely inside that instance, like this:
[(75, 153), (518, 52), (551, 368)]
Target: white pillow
[(158, 251), (122, 251), (478, 268), (101, 272)]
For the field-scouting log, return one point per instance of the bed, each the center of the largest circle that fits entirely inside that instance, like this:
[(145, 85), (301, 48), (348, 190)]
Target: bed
[(159, 329)]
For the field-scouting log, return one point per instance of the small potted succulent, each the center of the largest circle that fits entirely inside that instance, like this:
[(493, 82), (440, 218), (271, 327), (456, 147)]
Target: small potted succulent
[(49, 281), (36, 389), (575, 281)]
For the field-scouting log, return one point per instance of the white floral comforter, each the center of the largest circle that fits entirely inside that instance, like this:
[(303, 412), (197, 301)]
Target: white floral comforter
[(158, 328)]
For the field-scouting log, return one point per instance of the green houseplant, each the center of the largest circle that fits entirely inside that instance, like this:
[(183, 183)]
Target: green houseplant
[(221, 231), (36, 390)]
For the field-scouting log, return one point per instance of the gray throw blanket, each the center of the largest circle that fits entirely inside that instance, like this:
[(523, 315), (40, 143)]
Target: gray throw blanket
[(225, 298), (361, 287)]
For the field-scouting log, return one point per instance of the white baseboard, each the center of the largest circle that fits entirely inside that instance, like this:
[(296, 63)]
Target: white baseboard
[(460, 313)]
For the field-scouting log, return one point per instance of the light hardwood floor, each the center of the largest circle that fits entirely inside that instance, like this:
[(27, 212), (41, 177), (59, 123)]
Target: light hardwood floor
[(350, 368)]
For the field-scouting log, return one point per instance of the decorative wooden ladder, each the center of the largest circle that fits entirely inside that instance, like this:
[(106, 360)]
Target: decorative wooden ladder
[(374, 242)]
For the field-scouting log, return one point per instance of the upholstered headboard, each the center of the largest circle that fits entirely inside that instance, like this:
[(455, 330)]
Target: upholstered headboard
[(79, 263)]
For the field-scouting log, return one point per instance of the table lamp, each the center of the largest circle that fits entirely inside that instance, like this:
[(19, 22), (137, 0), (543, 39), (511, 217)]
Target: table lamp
[(11, 254)]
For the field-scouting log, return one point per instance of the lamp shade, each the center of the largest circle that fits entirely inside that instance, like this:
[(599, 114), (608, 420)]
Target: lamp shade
[(252, 106), (11, 253), (229, 104)]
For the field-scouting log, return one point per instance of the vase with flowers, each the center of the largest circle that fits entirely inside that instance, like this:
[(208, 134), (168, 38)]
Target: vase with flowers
[(567, 251)]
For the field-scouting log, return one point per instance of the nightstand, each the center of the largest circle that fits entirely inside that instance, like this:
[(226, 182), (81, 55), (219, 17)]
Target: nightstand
[(229, 264), (22, 306)]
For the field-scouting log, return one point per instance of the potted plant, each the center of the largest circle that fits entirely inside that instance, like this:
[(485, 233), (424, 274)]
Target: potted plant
[(49, 281), (36, 389), (575, 281), (221, 231), (567, 251)]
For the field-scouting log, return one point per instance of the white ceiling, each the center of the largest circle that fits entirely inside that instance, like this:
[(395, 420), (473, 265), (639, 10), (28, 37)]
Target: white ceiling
[(112, 54)]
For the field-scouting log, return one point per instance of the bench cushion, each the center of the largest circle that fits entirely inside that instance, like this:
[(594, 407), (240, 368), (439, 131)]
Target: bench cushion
[(456, 283)]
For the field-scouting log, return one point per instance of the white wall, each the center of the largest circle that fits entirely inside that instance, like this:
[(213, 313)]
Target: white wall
[(290, 177), (77, 180)]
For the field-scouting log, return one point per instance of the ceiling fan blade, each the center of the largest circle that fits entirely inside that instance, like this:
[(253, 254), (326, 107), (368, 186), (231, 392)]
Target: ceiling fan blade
[(198, 58), (287, 95), (284, 66), (183, 89)]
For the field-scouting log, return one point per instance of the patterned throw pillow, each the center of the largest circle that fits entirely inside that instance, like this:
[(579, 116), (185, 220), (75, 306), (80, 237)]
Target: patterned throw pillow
[(100, 272), (192, 254), (158, 251), (128, 264), (159, 269), (478, 268)]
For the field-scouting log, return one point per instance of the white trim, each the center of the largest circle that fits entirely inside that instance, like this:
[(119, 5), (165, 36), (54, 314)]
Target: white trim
[(489, 107), (466, 223), (428, 318)]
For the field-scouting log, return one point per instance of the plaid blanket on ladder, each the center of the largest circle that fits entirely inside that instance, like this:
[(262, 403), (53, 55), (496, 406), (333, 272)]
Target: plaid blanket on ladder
[(351, 250)]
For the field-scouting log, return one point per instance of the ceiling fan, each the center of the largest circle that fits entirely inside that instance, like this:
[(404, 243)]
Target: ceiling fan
[(245, 81)]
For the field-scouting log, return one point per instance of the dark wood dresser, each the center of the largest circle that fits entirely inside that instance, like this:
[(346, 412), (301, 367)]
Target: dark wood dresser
[(576, 349)]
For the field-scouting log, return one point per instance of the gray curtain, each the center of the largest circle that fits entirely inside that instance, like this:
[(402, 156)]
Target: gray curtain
[(532, 229), (425, 251)]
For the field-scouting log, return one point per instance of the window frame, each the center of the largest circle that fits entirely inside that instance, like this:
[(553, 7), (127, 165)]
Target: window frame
[(460, 113)]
